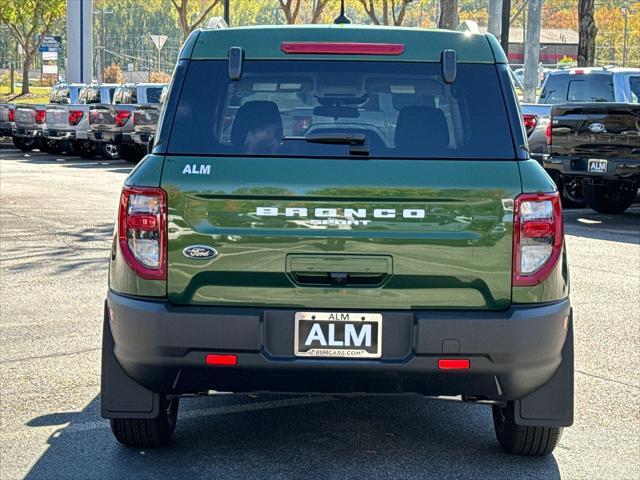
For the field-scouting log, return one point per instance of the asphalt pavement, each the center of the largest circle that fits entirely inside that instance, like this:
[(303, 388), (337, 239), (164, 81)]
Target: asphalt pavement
[(56, 223)]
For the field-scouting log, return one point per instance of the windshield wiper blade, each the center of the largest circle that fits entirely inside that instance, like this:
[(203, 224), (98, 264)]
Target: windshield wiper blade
[(337, 138), (356, 141)]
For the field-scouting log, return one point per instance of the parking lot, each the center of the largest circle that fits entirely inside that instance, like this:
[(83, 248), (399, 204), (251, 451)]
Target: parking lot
[(57, 216)]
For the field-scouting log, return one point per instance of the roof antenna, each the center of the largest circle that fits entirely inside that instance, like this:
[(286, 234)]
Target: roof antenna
[(342, 18)]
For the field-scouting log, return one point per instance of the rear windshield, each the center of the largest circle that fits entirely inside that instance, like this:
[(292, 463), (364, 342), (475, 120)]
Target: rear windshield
[(592, 87), (153, 94), (313, 108)]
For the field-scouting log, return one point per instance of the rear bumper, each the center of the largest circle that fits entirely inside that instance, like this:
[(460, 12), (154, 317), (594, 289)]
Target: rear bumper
[(162, 347), (27, 132), (105, 136), (141, 138), (59, 134), (577, 166)]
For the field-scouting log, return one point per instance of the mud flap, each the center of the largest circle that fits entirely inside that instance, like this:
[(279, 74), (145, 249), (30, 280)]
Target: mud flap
[(552, 404), (120, 395)]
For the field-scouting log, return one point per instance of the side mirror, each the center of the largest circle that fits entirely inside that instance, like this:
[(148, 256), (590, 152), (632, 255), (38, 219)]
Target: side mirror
[(150, 143)]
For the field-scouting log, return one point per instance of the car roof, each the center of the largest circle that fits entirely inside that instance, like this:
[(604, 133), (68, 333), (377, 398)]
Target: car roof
[(264, 42), (574, 70)]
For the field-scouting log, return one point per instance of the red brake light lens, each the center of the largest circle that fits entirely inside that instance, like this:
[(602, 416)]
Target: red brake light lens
[(221, 360), (453, 364), (342, 48), (41, 116), (12, 115), (75, 116), (122, 116), (530, 121), (142, 231), (537, 238), (548, 133)]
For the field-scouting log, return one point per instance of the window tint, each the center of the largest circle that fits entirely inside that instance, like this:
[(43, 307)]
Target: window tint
[(588, 87), (634, 85), (153, 94), (92, 95), (400, 110)]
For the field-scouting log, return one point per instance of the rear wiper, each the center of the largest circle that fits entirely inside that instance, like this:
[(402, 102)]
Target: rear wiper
[(355, 140)]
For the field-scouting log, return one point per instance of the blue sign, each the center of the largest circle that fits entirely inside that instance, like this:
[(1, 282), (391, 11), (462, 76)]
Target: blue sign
[(50, 43)]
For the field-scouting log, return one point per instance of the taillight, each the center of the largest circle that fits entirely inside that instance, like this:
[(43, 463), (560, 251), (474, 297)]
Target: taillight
[(121, 117), (530, 121), (548, 133), (75, 116), (142, 230), (41, 116), (12, 115), (537, 237)]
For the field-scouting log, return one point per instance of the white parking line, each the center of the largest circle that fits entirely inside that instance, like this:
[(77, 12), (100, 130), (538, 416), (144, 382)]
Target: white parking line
[(207, 412)]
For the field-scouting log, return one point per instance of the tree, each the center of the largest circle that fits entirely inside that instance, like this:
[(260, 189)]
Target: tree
[(191, 13), (587, 33), (291, 10), (113, 74), (448, 14), (28, 21), (390, 12)]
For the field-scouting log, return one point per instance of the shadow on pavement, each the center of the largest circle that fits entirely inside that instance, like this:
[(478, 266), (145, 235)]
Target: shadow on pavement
[(271, 437), (72, 255), (36, 157), (624, 227)]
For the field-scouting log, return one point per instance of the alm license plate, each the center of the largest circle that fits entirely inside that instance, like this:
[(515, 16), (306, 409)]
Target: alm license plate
[(338, 335), (597, 165)]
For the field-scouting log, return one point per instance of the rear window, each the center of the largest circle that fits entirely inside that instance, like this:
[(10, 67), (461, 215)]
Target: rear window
[(634, 86), (591, 87), (300, 108), (153, 94)]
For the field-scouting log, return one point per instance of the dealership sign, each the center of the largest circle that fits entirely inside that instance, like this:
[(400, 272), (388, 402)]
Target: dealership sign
[(50, 43)]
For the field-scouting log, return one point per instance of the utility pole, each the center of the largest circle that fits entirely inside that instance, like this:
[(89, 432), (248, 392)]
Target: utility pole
[(625, 12), (532, 50), (506, 23), (495, 8), (226, 12)]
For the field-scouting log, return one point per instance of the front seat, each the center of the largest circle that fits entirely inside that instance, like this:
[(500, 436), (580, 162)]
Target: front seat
[(421, 130), (257, 128)]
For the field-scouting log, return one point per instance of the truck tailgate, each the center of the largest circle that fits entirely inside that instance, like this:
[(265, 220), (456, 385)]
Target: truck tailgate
[(600, 130), (325, 233)]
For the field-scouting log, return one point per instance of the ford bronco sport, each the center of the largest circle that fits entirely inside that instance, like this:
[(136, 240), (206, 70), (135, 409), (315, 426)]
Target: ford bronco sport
[(340, 210)]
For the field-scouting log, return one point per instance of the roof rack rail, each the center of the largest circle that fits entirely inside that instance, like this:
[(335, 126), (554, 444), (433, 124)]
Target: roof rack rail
[(215, 23)]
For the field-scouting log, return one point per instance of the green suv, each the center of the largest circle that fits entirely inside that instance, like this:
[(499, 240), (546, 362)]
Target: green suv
[(340, 210)]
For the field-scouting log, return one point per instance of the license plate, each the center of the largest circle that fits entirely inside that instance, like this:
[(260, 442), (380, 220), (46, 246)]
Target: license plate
[(53, 133), (338, 334), (597, 165)]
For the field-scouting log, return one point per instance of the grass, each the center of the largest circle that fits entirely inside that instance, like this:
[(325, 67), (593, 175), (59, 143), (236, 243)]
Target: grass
[(37, 95)]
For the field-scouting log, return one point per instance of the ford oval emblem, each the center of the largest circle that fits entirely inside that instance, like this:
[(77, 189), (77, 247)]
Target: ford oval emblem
[(597, 127), (200, 252)]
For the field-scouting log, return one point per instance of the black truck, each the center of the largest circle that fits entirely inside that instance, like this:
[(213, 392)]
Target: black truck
[(599, 144)]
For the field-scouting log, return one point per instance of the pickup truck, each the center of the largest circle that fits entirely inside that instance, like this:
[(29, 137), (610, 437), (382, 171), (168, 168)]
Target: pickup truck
[(145, 123), (29, 126), (111, 125), (7, 112), (596, 84), (398, 240), (69, 122), (598, 144), (61, 94)]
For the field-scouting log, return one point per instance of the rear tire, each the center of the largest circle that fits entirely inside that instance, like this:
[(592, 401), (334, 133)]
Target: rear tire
[(131, 153), (85, 149), (520, 440), (26, 145), (611, 197), (109, 151), (70, 148), (144, 432), (572, 194)]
